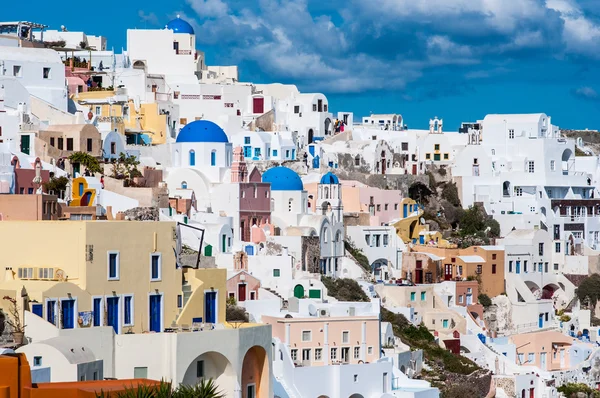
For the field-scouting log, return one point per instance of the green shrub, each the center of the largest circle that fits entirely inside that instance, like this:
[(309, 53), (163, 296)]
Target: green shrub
[(344, 289), (484, 300), (450, 193), (358, 255), (588, 291)]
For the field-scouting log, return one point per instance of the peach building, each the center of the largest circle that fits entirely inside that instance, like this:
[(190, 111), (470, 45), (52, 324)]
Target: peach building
[(383, 205), (548, 350), (318, 341), (29, 207), (481, 262)]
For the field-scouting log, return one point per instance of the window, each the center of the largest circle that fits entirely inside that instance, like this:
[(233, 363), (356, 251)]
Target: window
[(436, 147), (479, 269), (113, 266), (274, 152), (423, 296), (294, 354), (51, 141), (89, 145), (370, 351), (276, 273), (436, 157), (356, 378), (46, 73), (297, 109), (69, 144), (552, 165), (557, 247), (494, 256), (531, 357), (128, 310), (60, 143), (334, 354), (256, 152), (199, 368), (290, 205), (541, 249), (37, 361), (493, 268), (378, 207), (183, 120), (246, 140), (140, 373), (427, 156), (395, 206), (546, 316), (385, 207), (318, 354), (306, 355), (213, 158), (306, 335), (345, 337), (521, 359), (531, 166), (511, 134), (17, 71), (460, 299), (405, 146), (179, 301), (356, 352), (446, 156), (413, 296), (546, 267), (460, 267), (518, 191), (95, 375), (385, 240), (287, 154), (314, 107), (555, 266), (155, 267), (98, 110), (445, 324), (192, 157)]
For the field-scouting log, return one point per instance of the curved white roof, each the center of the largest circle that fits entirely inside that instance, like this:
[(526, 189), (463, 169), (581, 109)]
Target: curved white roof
[(25, 54), (74, 353), (516, 118)]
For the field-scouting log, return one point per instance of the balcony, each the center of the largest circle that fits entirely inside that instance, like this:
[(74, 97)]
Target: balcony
[(162, 96)]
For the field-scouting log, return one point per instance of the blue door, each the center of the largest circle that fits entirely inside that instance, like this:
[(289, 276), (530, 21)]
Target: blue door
[(311, 150), (518, 269), (155, 315), (38, 309), (192, 158), (112, 313), (50, 314), (250, 250), (405, 211), (247, 151), (97, 312), (541, 321), (210, 307), (68, 314)]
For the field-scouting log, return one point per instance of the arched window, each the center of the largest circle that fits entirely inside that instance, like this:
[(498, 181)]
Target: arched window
[(325, 235), (213, 158), (192, 157), (183, 185), (326, 192), (255, 192)]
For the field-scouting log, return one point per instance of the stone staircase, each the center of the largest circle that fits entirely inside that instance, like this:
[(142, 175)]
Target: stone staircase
[(268, 289)]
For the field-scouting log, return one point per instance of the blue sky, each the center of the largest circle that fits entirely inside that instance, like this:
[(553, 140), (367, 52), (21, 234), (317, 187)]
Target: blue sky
[(456, 59)]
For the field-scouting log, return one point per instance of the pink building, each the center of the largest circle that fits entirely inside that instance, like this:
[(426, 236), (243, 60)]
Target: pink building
[(242, 286), (383, 205), (548, 350), (319, 341)]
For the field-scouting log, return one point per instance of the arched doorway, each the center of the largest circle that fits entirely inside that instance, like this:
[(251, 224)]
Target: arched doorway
[(255, 373), (549, 290), (568, 160), (212, 365), (356, 396), (327, 126), (299, 291), (506, 189), (411, 232), (383, 162), (311, 135)]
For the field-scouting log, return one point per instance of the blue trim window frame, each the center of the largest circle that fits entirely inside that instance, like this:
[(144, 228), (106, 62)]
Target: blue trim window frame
[(287, 153), (179, 301), (161, 310), (155, 267), (128, 310), (98, 310), (246, 140), (192, 157), (274, 153), (66, 323), (112, 265), (51, 308), (213, 158)]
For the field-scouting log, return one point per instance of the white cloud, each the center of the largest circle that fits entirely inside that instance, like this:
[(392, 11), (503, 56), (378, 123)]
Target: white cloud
[(209, 8), (587, 92)]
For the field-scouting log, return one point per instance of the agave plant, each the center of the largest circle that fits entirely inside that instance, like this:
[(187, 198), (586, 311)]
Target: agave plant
[(206, 389)]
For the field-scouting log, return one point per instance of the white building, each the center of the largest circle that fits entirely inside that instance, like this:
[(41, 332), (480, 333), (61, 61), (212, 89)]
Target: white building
[(39, 70)]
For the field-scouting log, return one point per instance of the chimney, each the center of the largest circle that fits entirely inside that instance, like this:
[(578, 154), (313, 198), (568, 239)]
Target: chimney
[(9, 275), (285, 252)]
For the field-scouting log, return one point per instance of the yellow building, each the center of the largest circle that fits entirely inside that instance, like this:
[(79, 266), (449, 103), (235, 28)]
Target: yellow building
[(123, 116), (96, 273), (408, 226)]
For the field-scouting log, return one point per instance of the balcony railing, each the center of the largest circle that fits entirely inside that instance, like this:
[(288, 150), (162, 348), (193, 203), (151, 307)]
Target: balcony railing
[(162, 96), (183, 52)]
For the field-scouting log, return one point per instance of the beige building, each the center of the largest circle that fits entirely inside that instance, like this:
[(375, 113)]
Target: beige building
[(105, 273)]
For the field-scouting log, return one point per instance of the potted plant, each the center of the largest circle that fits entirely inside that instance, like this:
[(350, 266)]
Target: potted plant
[(14, 321)]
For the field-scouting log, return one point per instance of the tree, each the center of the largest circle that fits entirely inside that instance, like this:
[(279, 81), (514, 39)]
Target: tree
[(475, 222), (484, 300), (56, 184), (450, 193), (125, 167), (588, 291), (419, 192), (86, 160)]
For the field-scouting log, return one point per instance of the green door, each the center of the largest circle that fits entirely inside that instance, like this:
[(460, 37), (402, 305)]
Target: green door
[(299, 291), (25, 144), (208, 251), (223, 240), (314, 294)]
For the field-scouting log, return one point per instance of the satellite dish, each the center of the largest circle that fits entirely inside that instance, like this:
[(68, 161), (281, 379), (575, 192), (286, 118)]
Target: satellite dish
[(422, 221), (312, 310)]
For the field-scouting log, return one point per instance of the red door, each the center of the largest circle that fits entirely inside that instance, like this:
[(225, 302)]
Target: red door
[(414, 169), (418, 276), (448, 272), (258, 105), (241, 292)]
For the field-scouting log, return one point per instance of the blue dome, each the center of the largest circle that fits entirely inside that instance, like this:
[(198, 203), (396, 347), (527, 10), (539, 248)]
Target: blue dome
[(330, 178), (202, 131), (283, 179), (178, 25)]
